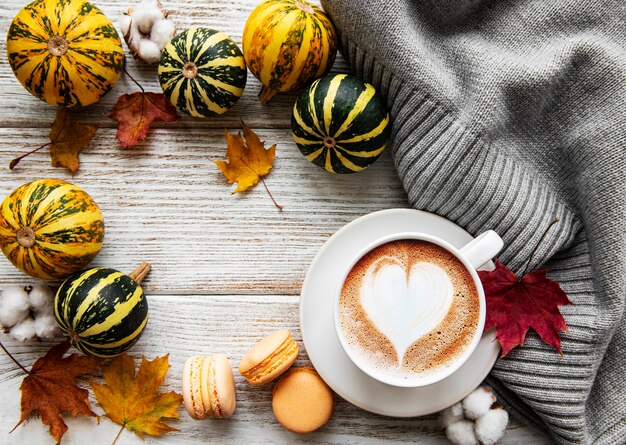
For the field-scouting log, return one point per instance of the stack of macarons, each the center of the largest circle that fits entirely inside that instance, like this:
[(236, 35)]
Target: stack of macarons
[(301, 401)]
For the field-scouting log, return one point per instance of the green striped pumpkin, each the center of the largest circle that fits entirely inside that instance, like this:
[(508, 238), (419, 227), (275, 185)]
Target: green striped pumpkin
[(340, 124), (102, 310), (202, 72)]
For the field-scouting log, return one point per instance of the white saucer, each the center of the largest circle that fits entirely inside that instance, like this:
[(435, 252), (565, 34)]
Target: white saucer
[(320, 338)]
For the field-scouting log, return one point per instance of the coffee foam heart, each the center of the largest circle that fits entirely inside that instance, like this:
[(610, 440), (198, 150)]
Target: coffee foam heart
[(409, 307), (404, 303)]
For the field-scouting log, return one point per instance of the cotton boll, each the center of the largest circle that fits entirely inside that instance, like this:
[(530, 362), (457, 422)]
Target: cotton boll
[(146, 14), (24, 330), (14, 306), (162, 32), (451, 415), (478, 402), (149, 51), (462, 433), (125, 23), (46, 327), (40, 298), (491, 426)]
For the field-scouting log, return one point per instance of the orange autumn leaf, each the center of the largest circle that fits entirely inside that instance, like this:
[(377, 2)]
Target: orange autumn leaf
[(67, 140), (132, 400), (49, 389), (135, 113), (248, 160)]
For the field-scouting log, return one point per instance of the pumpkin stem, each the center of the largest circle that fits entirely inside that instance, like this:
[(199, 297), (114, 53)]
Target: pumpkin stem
[(140, 273), (190, 70), (329, 142), (26, 237), (57, 45), (305, 7), (266, 94)]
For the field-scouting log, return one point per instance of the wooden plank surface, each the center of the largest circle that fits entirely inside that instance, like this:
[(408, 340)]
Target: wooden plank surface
[(165, 201), (188, 325), (227, 268)]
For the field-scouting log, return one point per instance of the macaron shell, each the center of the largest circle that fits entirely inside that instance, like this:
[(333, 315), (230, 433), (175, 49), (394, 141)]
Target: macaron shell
[(191, 387), (208, 387), (224, 386), (301, 401), (269, 358)]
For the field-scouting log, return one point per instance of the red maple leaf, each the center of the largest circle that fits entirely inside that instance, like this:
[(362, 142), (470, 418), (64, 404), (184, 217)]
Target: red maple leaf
[(50, 390), (514, 305), (135, 113)]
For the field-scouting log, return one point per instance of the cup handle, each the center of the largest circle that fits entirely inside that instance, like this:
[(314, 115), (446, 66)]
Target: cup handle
[(483, 248)]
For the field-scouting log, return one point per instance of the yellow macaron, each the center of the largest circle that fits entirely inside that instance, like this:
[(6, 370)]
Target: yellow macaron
[(269, 358), (302, 402), (209, 387)]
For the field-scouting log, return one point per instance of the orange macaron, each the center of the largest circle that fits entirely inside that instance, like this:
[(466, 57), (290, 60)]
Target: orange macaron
[(208, 387), (269, 358), (302, 402)]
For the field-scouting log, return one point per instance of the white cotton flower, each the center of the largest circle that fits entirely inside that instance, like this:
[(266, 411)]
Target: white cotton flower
[(46, 327), (478, 402), (149, 51), (162, 32), (125, 23), (14, 306), (462, 433), (451, 414), (147, 30), (145, 14), (24, 330), (491, 426), (40, 298)]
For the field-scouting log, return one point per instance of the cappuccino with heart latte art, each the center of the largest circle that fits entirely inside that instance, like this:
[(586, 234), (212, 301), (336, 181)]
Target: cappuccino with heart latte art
[(409, 307)]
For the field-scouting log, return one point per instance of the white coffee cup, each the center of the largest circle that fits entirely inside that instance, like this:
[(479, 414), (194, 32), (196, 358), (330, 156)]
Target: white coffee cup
[(473, 255)]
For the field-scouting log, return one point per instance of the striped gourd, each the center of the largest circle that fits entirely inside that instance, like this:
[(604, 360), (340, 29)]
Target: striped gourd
[(103, 311), (50, 228), (287, 44), (202, 72), (340, 124), (65, 52)]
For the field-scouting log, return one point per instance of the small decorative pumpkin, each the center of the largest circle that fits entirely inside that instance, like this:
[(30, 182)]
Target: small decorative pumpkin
[(340, 124), (287, 44), (102, 310), (50, 228), (65, 52), (202, 72)]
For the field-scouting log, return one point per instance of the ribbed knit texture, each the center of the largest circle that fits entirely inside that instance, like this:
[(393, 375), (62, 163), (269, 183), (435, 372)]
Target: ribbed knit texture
[(505, 115)]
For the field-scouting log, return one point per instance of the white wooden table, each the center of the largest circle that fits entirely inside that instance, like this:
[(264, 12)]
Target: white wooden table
[(227, 269)]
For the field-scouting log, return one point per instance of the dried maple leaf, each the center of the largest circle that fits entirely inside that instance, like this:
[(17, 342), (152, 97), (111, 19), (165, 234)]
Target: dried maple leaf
[(67, 140), (132, 401), (249, 160), (135, 113), (516, 304), (50, 390)]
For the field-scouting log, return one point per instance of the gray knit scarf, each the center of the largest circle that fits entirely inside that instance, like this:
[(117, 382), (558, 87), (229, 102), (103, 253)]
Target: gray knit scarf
[(506, 114)]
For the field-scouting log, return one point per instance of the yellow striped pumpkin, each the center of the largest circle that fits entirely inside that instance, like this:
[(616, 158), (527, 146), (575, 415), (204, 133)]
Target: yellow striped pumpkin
[(50, 228), (102, 310), (202, 72), (340, 124), (287, 44), (65, 52)]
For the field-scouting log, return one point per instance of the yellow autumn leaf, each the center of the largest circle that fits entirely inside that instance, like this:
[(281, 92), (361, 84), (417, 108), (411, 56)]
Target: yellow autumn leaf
[(248, 160), (132, 400)]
